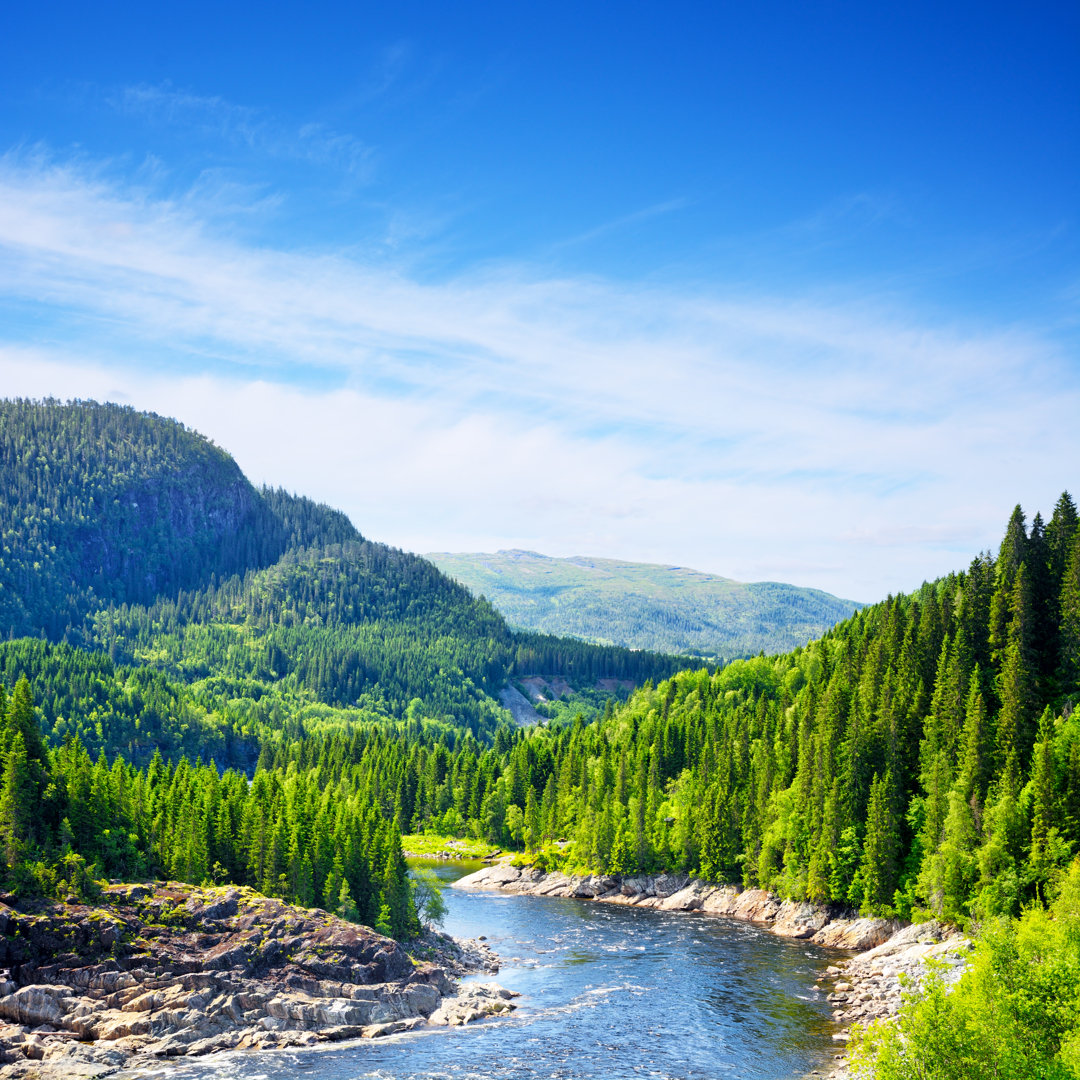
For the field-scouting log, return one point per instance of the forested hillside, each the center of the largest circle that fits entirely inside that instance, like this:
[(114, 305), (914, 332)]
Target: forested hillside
[(925, 754), (664, 608), (101, 504), (224, 611)]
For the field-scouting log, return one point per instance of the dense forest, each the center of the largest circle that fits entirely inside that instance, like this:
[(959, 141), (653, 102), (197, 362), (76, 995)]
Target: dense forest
[(101, 504), (668, 609), (924, 755), (222, 608), (66, 820)]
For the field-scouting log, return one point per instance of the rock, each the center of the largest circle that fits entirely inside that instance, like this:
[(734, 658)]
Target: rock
[(473, 1002), (756, 905), (855, 933), (33, 1006), (799, 920), (499, 876), (378, 1031), (175, 970)]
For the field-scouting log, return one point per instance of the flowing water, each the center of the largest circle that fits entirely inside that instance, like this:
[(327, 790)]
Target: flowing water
[(607, 991)]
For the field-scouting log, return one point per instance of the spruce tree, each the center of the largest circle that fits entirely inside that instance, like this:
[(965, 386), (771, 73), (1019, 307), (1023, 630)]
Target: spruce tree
[(18, 792), (1011, 554), (1059, 535), (1044, 816), (1069, 633), (880, 850), (1017, 681)]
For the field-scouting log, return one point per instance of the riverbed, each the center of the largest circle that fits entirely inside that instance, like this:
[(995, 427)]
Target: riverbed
[(607, 992)]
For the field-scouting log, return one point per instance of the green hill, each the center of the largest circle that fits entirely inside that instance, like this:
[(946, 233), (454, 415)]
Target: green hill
[(644, 606), (101, 504)]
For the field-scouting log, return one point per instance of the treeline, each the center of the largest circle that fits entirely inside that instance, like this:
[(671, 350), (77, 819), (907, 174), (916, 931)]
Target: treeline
[(923, 755), (66, 820)]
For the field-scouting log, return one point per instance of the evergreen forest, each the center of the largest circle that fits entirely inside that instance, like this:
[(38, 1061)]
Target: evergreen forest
[(157, 600), (922, 756)]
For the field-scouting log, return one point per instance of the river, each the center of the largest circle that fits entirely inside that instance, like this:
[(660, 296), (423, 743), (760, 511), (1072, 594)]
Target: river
[(607, 991)]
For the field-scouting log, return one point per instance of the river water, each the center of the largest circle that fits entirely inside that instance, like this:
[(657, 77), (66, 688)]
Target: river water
[(607, 991)]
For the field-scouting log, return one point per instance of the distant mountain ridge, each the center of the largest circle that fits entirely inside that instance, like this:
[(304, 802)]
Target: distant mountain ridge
[(659, 607)]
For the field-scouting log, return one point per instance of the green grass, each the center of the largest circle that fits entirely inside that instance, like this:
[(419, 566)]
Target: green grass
[(461, 847)]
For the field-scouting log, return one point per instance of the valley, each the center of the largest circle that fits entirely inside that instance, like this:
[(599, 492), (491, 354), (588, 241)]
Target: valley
[(219, 686)]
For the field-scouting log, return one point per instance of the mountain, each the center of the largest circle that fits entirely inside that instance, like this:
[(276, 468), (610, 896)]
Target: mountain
[(101, 504), (176, 605), (644, 606)]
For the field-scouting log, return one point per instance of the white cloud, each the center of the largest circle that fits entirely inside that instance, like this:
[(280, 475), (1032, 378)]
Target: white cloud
[(820, 440)]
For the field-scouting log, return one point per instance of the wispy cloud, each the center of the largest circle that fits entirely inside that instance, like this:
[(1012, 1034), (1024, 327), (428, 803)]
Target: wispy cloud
[(646, 213), (864, 447), (254, 129)]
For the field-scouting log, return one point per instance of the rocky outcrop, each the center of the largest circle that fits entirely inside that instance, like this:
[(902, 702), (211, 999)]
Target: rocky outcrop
[(166, 970), (871, 986), (826, 926)]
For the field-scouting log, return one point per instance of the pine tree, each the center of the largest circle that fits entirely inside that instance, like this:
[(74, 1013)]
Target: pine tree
[(975, 753), (879, 865), (954, 869), (1017, 680), (1059, 536), (21, 718), (999, 885), (1069, 632), (346, 906), (17, 800), (1044, 817), (1011, 554)]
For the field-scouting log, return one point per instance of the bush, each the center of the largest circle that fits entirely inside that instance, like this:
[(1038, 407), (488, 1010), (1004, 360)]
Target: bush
[(1014, 1015)]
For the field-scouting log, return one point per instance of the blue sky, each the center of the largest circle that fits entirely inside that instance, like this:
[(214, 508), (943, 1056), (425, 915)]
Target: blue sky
[(777, 291)]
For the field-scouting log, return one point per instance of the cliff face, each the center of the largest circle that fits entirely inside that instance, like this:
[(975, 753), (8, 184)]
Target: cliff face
[(166, 970)]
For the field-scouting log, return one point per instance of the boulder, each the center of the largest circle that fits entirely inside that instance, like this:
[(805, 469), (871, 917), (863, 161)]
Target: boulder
[(855, 933), (799, 920), (33, 1006)]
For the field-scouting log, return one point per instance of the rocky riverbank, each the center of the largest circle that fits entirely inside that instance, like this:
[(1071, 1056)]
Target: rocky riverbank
[(870, 986), (865, 988), (831, 927), (162, 970)]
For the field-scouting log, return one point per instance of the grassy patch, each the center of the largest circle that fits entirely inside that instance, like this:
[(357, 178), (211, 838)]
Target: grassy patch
[(459, 847)]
